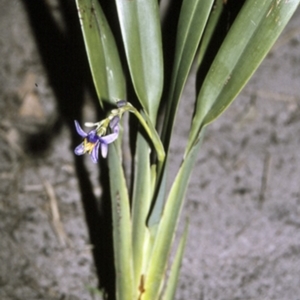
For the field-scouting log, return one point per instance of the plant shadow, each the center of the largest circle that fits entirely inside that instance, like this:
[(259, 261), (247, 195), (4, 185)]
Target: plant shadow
[(64, 59)]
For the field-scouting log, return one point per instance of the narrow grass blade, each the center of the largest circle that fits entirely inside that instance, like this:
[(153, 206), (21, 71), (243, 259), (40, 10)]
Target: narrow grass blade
[(167, 226), (140, 27), (141, 201), (122, 230), (251, 36), (169, 293), (102, 52), (192, 21), (211, 25)]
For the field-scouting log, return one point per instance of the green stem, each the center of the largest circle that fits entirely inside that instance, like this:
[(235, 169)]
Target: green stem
[(148, 126)]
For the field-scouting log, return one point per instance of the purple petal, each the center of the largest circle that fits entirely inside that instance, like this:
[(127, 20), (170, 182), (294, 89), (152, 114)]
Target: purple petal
[(95, 153), (79, 150), (79, 129), (116, 129), (114, 122), (93, 137), (108, 139), (104, 150)]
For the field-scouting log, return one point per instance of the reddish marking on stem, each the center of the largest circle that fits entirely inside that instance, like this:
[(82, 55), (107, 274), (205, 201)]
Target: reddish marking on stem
[(142, 287)]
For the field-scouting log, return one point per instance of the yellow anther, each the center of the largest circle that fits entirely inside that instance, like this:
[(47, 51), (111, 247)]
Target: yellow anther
[(88, 147)]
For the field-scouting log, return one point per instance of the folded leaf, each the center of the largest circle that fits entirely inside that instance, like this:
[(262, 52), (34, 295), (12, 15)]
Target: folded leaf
[(251, 36), (170, 291), (192, 21), (122, 230), (141, 201), (140, 27), (102, 52), (210, 28), (167, 226)]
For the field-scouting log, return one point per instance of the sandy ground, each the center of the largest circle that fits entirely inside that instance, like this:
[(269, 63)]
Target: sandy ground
[(243, 201)]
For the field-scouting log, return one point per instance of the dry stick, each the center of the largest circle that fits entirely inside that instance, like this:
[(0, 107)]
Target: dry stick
[(56, 222), (265, 177)]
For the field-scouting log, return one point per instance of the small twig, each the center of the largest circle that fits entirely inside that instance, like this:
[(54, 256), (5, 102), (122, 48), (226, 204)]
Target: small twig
[(264, 178), (56, 222), (276, 96)]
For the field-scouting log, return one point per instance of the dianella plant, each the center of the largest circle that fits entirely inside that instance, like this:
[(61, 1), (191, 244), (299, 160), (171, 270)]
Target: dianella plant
[(145, 210)]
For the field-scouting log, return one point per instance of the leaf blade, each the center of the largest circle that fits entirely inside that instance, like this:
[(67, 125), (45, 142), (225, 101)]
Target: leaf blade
[(167, 226), (193, 18), (169, 293), (122, 227), (139, 21), (102, 52), (140, 207), (232, 67)]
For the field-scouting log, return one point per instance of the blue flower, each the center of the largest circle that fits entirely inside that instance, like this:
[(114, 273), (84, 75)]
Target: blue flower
[(92, 142)]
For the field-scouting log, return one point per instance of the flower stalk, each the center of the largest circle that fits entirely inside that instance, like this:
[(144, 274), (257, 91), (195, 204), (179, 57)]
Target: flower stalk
[(99, 139)]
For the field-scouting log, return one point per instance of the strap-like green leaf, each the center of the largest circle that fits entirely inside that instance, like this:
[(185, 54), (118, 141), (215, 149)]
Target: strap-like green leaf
[(169, 293), (122, 231), (251, 36), (102, 52), (140, 27), (212, 23), (193, 17), (192, 21), (141, 201), (167, 226)]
